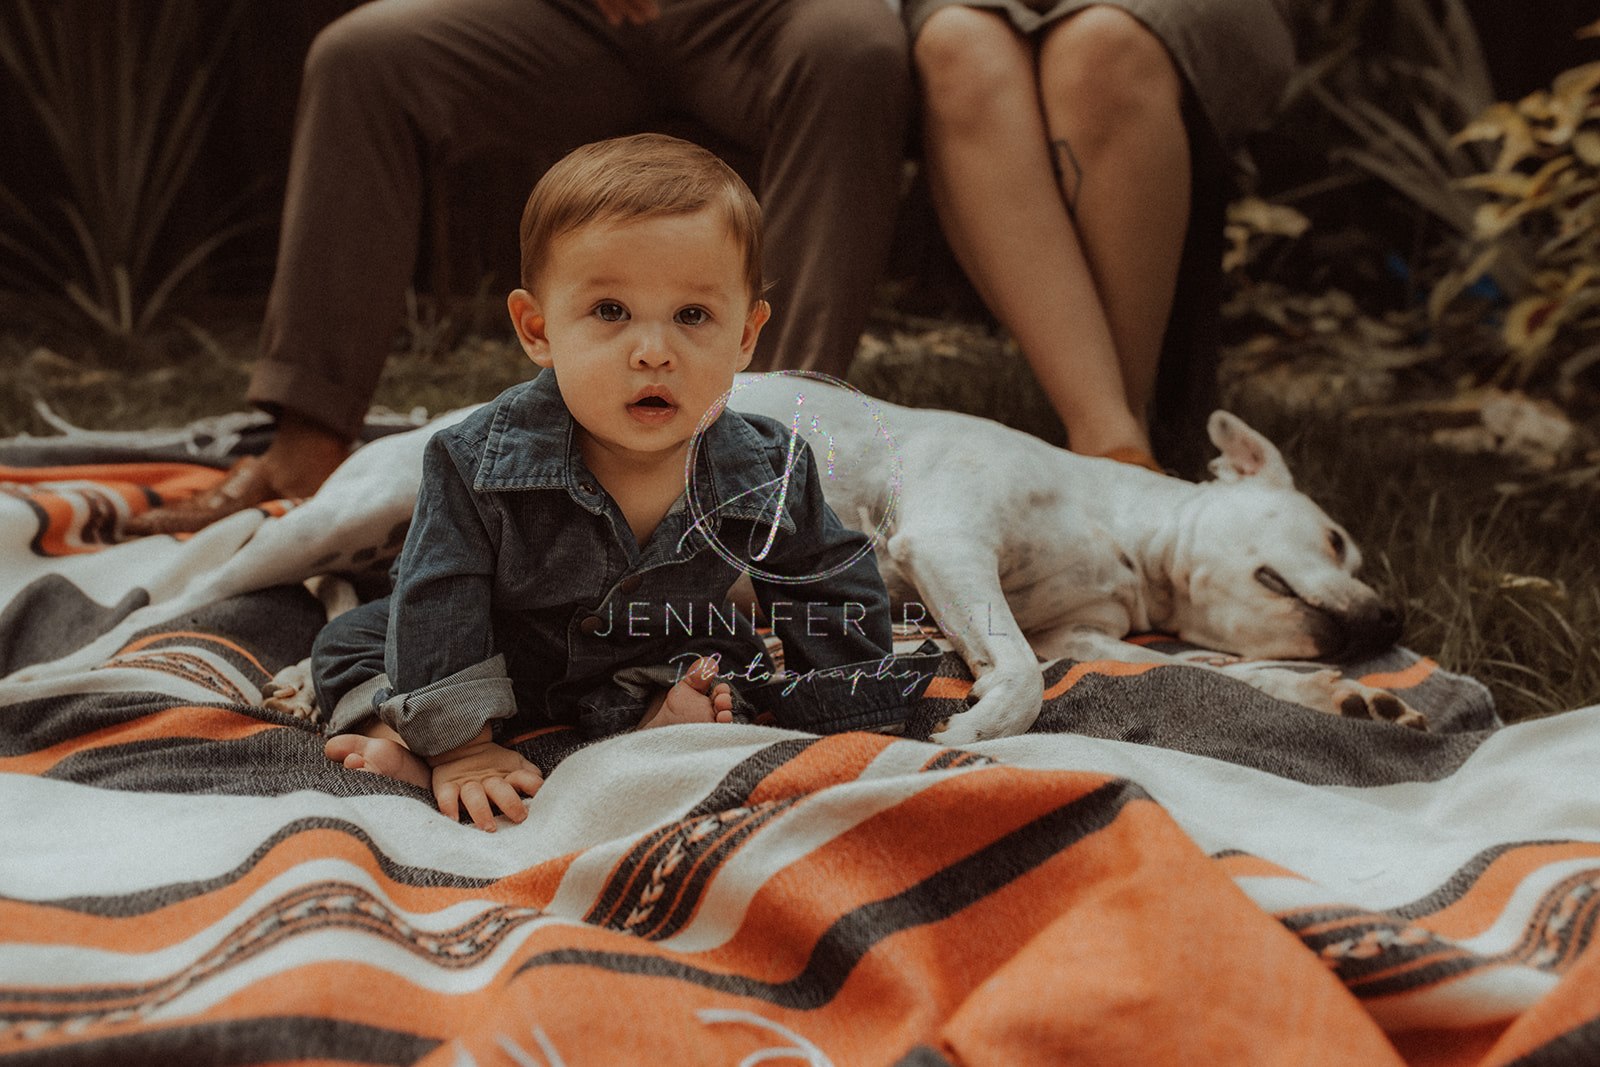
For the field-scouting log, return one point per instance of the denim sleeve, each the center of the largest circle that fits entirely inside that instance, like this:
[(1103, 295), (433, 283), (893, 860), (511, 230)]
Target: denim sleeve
[(448, 678), (834, 622)]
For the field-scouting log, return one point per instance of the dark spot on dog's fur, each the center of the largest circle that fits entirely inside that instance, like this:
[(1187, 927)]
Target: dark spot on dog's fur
[(1043, 498), (364, 555), (1388, 707), (321, 562), (1353, 706), (397, 534), (1122, 558)]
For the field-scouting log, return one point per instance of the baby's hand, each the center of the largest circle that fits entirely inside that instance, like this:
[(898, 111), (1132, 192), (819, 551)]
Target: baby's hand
[(483, 776)]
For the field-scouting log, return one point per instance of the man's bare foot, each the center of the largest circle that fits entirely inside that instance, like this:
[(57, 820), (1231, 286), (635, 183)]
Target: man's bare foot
[(696, 697), (302, 455), (378, 755)]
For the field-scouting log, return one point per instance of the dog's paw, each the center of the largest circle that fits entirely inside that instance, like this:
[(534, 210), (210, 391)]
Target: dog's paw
[(291, 693), (1358, 701), (1328, 691), (1006, 705)]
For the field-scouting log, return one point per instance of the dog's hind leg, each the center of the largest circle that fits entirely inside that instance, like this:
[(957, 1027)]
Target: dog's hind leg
[(959, 582)]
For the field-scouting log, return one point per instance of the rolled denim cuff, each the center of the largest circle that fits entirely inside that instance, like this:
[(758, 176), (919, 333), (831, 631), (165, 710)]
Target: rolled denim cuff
[(450, 712), (875, 695)]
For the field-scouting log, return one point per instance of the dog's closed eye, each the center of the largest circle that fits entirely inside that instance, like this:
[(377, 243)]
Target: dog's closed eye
[(1273, 582), (1337, 544)]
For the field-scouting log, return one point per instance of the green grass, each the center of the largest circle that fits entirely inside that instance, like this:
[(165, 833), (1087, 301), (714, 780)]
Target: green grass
[(1499, 584)]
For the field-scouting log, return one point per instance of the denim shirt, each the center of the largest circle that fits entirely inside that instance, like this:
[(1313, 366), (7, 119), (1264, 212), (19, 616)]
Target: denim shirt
[(521, 587)]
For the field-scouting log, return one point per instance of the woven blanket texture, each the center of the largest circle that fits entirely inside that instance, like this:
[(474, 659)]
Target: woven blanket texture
[(1170, 868)]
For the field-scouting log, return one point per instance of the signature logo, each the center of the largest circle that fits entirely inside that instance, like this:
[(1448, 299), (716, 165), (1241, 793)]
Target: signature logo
[(860, 422)]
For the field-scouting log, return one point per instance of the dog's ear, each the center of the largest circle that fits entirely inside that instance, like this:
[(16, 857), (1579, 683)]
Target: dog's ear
[(1245, 453)]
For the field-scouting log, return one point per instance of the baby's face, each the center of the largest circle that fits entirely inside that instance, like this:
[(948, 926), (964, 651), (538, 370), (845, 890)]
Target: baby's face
[(645, 322)]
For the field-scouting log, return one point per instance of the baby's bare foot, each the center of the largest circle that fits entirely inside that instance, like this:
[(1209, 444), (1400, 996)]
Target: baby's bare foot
[(378, 755), (697, 697)]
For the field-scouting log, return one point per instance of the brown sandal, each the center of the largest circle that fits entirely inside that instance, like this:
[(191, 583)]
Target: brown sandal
[(245, 486)]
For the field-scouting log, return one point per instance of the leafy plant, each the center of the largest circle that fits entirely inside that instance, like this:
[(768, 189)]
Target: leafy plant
[(123, 91), (1541, 191), (1401, 104)]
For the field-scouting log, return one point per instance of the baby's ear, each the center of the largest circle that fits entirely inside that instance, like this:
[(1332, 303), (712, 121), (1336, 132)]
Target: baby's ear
[(760, 312), (527, 318)]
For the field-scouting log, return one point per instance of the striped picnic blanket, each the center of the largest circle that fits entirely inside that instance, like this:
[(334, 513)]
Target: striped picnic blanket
[(1170, 868)]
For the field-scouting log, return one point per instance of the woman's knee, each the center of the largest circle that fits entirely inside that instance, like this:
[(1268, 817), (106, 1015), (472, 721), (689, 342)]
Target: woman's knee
[(966, 59), (1109, 69)]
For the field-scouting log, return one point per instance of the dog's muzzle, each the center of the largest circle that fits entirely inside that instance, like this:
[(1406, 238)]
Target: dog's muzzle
[(1360, 632)]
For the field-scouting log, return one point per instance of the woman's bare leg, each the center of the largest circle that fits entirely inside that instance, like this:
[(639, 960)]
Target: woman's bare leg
[(993, 182), (1113, 103)]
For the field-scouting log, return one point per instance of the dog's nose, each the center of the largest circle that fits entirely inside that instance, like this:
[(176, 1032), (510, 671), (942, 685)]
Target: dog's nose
[(1369, 632), (1388, 625)]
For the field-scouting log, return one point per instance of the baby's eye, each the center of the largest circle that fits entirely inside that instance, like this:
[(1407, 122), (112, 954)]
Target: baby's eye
[(610, 311), (692, 316)]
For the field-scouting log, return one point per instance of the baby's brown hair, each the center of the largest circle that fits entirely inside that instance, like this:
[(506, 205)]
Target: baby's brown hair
[(645, 175)]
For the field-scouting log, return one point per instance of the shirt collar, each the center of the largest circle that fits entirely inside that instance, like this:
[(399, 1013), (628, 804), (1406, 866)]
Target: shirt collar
[(531, 444)]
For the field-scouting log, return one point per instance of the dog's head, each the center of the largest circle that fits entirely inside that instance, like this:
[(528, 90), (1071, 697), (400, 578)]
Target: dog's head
[(1263, 572)]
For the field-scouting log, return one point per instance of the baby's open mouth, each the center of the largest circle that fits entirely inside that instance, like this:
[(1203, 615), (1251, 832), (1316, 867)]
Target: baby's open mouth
[(655, 406)]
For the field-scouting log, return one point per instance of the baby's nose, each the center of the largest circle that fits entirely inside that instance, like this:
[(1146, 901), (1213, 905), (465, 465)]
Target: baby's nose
[(650, 347)]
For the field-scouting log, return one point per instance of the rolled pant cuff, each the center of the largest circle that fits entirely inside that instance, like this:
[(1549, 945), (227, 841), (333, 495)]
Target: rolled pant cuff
[(275, 387)]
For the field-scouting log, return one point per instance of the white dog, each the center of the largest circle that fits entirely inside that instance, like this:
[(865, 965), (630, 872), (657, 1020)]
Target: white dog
[(1023, 551)]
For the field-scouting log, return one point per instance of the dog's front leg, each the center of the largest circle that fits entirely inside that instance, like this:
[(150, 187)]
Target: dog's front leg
[(959, 582), (1320, 689)]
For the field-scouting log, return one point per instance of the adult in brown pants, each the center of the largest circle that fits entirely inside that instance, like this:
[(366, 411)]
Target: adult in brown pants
[(817, 89)]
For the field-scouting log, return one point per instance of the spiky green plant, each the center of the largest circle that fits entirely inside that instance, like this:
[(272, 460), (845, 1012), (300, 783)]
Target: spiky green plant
[(123, 92)]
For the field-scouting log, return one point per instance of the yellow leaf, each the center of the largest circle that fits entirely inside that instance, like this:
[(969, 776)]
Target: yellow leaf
[(1531, 325), (1501, 122), (1570, 95), (1586, 146), (1262, 217)]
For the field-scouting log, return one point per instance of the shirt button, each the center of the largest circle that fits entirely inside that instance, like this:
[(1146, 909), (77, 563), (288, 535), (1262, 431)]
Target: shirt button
[(590, 624), (631, 584)]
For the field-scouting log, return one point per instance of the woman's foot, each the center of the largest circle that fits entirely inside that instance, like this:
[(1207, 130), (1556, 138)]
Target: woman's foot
[(697, 697), (379, 755)]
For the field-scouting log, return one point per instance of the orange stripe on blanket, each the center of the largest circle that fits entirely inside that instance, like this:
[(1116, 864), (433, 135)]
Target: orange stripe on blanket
[(1483, 902), (830, 761), (948, 820), (210, 724), (942, 688), (959, 688), (210, 639), (170, 480), (1109, 668), (1413, 675), (1244, 865), (1079, 948), (148, 931)]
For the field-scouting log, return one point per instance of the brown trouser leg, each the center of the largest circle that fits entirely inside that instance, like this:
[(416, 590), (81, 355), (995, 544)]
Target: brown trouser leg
[(818, 87)]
